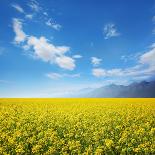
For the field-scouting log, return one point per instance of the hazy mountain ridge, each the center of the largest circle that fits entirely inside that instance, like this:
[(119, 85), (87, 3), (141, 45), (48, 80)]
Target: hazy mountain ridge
[(136, 90)]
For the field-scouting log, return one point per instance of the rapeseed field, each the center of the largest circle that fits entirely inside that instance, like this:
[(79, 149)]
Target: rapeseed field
[(77, 126)]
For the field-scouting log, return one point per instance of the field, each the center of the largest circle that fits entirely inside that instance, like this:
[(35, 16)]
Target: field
[(77, 126)]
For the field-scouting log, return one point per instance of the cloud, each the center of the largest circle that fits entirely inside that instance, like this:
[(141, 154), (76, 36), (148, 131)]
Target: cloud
[(144, 69), (45, 13), (54, 75), (133, 72), (99, 72), (110, 30), (152, 46), (34, 5), (77, 56), (17, 27), (58, 76), (50, 53), (18, 8), (65, 62), (130, 57), (148, 58), (53, 25), (21, 10), (95, 61), (42, 49), (29, 16)]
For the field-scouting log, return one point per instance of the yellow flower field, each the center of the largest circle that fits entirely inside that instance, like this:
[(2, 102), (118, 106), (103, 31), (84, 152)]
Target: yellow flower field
[(77, 126)]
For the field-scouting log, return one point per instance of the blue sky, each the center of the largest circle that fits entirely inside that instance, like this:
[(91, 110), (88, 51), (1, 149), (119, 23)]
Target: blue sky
[(54, 48)]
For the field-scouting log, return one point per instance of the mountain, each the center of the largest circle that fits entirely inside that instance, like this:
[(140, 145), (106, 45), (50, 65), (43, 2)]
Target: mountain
[(142, 89)]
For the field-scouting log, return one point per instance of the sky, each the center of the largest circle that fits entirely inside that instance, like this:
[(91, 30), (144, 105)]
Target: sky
[(56, 48)]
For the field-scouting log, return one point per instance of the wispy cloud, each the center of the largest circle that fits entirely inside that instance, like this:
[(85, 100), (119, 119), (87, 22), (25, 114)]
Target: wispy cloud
[(110, 31), (21, 10), (53, 25), (77, 56), (18, 8), (54, 75), (130, 57), (95, 61), (144, 69), (58, 76), (148, 58), (39, 13), (99, 72), (17, 27), (42, 48), (29, 16), (45, 13), (34, 5)]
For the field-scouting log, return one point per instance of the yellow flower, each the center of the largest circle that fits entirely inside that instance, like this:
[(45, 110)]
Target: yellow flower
[(109, 143), (136, 150)]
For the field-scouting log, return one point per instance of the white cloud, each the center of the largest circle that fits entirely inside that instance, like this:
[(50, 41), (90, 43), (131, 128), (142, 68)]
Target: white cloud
[(29, 16), (136, 71), (65, 62), (42, 49), (45, 13), (99, 72), (58, 76), (144, 69), (130, 57), (125, 58), (115, 72), (110, 30), (50, 53), (18, 8), (77, 56), (53, 25), (95, 61), (148, 57), (152, 46), (34, 5), (54, 75), (17, 27)]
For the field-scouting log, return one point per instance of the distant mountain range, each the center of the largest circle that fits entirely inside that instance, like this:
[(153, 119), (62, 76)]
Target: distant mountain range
[(135, 90)]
